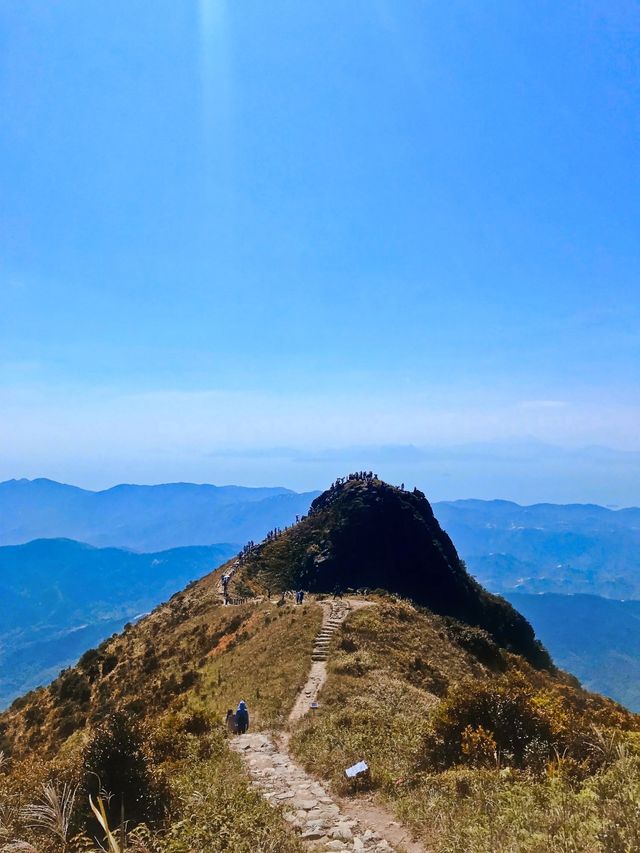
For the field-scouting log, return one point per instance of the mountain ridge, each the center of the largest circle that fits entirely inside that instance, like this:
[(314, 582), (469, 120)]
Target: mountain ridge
[(362, 532), (140, 517), (448, 716)]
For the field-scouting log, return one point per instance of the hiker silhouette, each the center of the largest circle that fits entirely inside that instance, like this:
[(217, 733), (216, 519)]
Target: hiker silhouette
[(242, 718)]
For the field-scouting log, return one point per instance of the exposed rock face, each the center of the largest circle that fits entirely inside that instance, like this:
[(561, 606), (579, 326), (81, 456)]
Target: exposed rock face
[(363, 532)]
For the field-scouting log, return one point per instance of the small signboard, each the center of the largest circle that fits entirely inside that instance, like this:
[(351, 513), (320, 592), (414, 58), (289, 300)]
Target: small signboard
[(357, 769)]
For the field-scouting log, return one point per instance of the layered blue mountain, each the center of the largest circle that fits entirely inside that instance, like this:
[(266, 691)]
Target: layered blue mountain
[(144, 518), (573, 548), (597, 639), (60, 597)]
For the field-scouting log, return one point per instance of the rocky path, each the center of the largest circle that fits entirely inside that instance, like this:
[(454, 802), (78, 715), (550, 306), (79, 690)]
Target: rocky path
[(335, 612), (325, 823), (308, 806)]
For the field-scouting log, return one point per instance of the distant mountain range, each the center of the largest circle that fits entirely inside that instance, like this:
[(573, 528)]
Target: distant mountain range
[(60, 597), (144, 518), (573, 548), (596, 639)]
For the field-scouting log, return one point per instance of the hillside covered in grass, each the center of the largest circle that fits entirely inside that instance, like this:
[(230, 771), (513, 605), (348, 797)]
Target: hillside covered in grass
[(59, 597), (474, 746)]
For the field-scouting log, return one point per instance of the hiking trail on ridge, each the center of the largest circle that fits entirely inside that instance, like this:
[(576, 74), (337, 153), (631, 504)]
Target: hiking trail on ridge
[(325, 822)]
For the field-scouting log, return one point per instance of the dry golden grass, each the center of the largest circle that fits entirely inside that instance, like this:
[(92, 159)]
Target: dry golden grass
[(266, 664), (387, 665), (390, 667), (192, 658)]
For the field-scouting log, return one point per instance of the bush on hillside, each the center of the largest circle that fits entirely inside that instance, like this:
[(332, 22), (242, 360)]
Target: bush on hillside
[(480, 718), (478, 642), (71, 686), (115, 762)]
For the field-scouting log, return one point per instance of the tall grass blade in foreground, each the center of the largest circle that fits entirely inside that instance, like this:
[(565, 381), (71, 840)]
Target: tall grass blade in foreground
[(52, 812), (101, 817)]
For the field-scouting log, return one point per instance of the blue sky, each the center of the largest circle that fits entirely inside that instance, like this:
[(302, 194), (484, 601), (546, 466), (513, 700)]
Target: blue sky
[(229, 227)]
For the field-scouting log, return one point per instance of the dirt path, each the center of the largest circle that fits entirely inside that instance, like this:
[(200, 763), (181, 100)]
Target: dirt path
[(335, 612), (325, 822)]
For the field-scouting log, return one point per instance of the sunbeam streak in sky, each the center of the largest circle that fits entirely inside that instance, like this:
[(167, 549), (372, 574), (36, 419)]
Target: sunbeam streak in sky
[(215, 72)]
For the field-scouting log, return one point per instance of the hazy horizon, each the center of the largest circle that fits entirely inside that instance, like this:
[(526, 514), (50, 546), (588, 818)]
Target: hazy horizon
[(525, 472)]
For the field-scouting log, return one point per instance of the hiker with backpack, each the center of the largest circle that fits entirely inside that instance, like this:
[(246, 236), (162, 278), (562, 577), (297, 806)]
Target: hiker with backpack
[(242, 718)]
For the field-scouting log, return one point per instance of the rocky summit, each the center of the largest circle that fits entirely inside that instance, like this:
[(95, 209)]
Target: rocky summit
[(363, 533)]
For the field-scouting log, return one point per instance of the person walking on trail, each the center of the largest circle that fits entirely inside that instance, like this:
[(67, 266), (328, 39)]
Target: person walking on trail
[(231, 723), (242, 718)]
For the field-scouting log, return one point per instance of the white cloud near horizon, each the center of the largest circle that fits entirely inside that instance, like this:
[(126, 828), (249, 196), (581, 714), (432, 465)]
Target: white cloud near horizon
[(450, 448), (49, 419), (544, 404)]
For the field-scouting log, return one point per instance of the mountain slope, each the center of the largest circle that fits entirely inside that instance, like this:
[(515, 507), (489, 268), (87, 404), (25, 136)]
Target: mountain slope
[(143, 518), (466, 740), (60, 597), (365, 533)]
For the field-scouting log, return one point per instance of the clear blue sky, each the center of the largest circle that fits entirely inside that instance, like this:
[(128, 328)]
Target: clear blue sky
[(235, 226)]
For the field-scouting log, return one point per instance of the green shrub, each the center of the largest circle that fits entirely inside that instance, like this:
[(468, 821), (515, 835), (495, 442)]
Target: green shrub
[(505, 711), (71, 686), (115, 761)]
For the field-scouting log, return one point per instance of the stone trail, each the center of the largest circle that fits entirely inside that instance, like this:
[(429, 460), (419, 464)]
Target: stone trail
[(307, 805), (324, 822), (335, 612)]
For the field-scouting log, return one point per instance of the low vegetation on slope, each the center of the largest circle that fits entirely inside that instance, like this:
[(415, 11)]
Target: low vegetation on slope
[(143, 714), (475, 749), (59, 597)]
